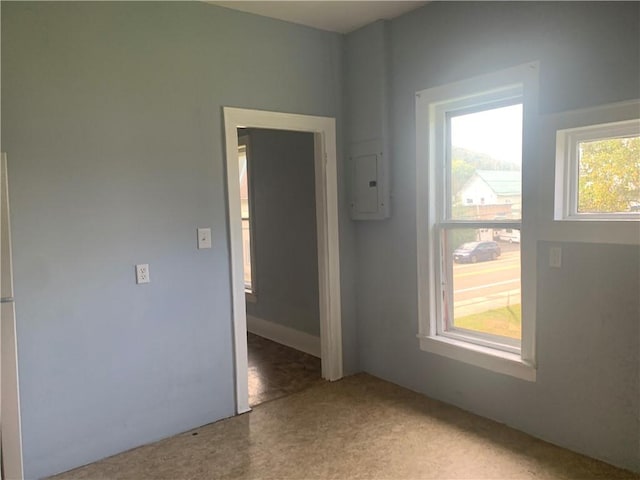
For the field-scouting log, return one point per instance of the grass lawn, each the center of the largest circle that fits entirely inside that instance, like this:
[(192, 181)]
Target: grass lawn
[(506, 321)]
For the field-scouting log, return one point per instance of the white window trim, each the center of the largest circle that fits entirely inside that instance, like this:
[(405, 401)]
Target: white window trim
[(566, 191), (546, 226), (521, 365)]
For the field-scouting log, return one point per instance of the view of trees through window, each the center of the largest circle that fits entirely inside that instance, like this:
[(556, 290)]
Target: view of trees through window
[(609, 175)]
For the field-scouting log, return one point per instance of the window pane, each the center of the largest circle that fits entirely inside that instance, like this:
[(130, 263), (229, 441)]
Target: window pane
[(246, 254), (485, 155), (609, 175), (244, 182), (483, 272), (244, 213)]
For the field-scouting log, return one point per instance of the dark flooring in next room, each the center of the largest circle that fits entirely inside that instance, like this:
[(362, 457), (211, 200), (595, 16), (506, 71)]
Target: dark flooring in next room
[(276, 370)]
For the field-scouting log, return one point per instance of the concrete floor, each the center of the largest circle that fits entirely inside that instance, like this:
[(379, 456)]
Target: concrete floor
[(357, 428)]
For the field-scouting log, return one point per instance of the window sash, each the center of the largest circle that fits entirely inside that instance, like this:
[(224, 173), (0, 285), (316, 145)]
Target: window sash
[(512, 97), (444, 299), (568, 142), (443, 113)]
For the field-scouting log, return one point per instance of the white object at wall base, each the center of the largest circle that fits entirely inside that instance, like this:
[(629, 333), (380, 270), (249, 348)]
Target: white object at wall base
[(286, 336)]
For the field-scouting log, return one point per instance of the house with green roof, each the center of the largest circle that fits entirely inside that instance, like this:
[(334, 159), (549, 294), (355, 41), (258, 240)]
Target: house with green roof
[(493, 187)]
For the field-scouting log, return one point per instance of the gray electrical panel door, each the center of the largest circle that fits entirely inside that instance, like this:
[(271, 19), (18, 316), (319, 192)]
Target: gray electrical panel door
[(365, 176), (369, 181)]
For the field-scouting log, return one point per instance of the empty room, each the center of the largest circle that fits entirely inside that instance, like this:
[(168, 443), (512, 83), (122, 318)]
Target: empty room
[(466, 214)]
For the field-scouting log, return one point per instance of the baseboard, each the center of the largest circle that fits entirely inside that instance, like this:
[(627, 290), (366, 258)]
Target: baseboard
[(285, 335)]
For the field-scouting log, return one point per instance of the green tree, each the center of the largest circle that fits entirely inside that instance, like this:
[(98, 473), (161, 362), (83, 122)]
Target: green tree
[(609, 175), (461, 172)]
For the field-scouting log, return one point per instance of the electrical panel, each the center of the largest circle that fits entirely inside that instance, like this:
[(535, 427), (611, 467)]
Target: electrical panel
[(369, 182)]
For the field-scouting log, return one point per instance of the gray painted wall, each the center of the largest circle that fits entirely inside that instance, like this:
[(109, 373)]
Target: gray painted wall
[(587, 393), (284, 206), (366, 72), (111, 117)]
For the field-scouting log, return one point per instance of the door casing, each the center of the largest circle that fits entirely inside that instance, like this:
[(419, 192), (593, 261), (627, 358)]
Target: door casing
[(326, 183)]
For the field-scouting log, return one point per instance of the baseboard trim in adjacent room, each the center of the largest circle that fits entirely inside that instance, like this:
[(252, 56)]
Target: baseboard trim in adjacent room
[(285, 335)]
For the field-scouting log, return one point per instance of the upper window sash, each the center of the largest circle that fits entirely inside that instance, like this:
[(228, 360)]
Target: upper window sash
[(440, 115), (483, 103)]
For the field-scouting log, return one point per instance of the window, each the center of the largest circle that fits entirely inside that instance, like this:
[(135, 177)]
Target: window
[(598, 172), (247, 220), (469, 145)]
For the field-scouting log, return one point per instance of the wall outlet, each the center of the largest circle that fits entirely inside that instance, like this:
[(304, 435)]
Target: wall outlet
[(142, 273)]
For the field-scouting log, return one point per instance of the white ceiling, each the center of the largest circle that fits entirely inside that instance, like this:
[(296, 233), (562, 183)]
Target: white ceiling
[(334, 16)]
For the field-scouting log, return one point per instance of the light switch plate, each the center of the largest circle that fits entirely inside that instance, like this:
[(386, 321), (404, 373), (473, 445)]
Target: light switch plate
[(204, 238), (142, 273), (555, 257)]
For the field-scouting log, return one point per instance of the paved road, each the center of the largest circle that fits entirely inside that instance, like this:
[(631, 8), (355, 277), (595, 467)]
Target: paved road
[(486, 285)]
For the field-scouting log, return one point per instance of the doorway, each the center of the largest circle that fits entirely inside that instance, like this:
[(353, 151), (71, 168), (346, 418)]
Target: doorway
[(279, 238), (326, 191)]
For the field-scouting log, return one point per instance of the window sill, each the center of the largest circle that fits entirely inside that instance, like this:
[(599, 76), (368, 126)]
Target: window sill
[(483, 357), (585, 217), (250, 297)]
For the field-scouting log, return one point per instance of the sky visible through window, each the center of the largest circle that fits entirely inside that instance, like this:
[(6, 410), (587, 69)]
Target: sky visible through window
[(496, 133)]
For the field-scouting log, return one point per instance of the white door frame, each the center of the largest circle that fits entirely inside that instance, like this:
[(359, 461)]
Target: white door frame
[(326, 174), (10, 420)]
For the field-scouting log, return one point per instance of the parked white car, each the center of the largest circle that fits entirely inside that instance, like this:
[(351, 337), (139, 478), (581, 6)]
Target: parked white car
[(507, 235)]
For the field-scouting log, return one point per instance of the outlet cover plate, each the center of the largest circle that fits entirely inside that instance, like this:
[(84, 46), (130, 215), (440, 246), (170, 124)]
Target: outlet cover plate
[(142, 273)]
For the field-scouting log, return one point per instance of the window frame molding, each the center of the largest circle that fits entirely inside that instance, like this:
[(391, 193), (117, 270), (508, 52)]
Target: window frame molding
[(484, 90), (567, 169), (549, 229)]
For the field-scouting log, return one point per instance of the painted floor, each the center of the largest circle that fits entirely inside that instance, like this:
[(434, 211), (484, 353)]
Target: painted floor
[(357, 428)]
